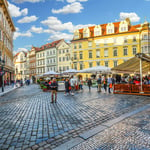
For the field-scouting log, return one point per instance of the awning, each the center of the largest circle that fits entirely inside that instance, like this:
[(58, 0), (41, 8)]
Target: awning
[(133, 65)]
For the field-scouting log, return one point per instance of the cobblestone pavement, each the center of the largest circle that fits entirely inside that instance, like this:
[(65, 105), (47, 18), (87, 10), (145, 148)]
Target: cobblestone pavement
[(131, 134), (29, 121)]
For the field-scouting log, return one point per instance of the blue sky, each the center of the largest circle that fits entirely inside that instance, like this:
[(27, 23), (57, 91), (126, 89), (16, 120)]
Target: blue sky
[(39, 22)]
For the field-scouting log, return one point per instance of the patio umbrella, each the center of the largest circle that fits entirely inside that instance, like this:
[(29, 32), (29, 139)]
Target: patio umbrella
[(101, 69)]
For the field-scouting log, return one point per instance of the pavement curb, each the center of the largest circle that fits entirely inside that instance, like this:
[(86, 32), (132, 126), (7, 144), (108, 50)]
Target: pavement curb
[(4, 93), (90, 133)]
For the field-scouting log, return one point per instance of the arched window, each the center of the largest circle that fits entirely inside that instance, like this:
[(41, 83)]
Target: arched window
[(97, 30), (110, 28)]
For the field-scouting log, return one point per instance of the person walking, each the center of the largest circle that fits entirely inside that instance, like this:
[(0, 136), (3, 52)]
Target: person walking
[(105, 84), (89, 83), (99, 82), (73, 84), (109, 81), (54, 87), (80, 84), (67, 85)]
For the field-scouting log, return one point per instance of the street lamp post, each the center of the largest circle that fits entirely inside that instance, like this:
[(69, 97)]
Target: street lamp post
[(2, 72)]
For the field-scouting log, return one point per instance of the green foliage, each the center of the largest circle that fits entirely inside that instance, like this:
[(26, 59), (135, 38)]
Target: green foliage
[(44, 87)]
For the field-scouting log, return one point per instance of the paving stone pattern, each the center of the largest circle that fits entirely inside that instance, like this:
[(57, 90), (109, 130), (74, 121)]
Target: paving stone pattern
[(29, 121), (131, 134)]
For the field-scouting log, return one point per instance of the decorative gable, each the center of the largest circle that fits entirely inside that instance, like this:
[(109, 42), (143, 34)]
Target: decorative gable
[(110, 28), (86, 32), (123, 26), (76, 34), (97, 30)]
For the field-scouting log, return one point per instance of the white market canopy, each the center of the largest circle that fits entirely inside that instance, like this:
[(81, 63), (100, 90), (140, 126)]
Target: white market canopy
[(97, 69), (70, 71), (50, 73)]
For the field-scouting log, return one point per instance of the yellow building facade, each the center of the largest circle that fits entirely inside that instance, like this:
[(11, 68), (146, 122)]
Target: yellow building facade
[(109, 44)]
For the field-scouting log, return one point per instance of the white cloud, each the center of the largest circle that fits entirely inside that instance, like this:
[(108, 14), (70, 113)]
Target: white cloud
[(71, 8), (133, 16), (19, 34), (72, 1), (32, 1), (15, 11), (56, 25), (28, 19), (59, 35), (36, 30), (20, 50)]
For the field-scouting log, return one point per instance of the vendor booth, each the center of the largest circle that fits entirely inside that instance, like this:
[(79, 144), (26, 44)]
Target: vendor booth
[(140, 64)]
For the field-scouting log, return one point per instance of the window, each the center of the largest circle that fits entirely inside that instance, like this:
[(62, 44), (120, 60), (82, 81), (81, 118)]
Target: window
[(134, 39), (81, 55), (145, 37), (81, 66), (110, 28), (60, 69), (59, 51), (63, 51), (125, 51), (90, 64), (53, 51), (115, 63), (67, 51), (64, 68), (106, 63), (125, 40), (97, 30), (75, 56), (21, 57), (63, 58), (97, 53), (97, 63), (90, 54), (80, 45), (115, 52), (75, 66), (106, 53), (134, 51), (97, 44), (89, 44), (75, 46)]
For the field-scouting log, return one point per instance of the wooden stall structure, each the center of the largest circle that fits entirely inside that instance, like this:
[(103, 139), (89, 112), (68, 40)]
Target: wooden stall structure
[(140, 64)]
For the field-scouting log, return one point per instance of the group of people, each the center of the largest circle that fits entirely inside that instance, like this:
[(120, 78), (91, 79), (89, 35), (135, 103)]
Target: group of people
[(106, 82), (72, 84)]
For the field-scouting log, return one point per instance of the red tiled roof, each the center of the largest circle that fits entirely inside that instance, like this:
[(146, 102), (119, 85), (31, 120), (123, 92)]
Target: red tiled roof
[(48, 45), (103, 26)]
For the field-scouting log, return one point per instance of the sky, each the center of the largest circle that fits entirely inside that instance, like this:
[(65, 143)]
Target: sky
[(39, 22)]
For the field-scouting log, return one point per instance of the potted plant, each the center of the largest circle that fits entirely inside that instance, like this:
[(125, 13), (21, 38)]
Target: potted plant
[(44, 88)]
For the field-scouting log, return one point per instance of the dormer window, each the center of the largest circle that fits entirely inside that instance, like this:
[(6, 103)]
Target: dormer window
[(123, 27), (86, 32), (76, 34), (97, 30), (110, 28)]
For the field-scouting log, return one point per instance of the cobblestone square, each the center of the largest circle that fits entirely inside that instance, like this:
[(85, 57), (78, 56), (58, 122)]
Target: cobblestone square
[(29, 121)]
